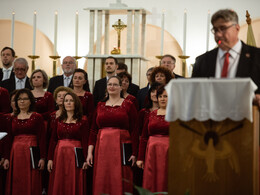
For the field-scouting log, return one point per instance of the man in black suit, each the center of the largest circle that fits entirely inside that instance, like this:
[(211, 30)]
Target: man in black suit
[(141, 97), (68, 67), (133, 89), (7, 58), (232, 58), (99, 91), (168, 61), (20, 80)]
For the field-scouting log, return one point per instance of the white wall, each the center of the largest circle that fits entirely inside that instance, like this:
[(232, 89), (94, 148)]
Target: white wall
[(196, 19)]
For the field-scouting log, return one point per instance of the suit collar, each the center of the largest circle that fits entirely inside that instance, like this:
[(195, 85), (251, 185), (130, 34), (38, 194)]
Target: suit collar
[(244, 65), (212, 56)]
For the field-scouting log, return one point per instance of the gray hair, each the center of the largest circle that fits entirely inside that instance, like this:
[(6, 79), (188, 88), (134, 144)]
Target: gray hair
[(228, 15), (22, 61)]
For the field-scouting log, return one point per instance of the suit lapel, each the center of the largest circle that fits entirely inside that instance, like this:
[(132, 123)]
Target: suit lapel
[(212, 58), (244, 65)]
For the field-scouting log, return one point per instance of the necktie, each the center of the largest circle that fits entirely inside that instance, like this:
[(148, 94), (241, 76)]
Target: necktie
[(66, 83), (225, 66), (19, 84)]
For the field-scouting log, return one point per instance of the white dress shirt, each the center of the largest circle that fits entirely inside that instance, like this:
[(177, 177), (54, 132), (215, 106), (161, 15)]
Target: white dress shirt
[(7, 72), (233, 60), (20, 83), (67, 80)]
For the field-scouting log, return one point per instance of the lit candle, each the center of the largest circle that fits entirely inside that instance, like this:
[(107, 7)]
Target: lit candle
[(12, 30), (55, 33), (34, 32), (162, 32), (184, 31), (208, 25), (76, 33)]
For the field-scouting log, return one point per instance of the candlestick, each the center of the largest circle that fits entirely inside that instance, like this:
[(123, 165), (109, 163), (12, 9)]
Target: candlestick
[(12, 30), (208, 25), (162, 32), (55, 33), (184, 31), (34, 33), (76, 33)]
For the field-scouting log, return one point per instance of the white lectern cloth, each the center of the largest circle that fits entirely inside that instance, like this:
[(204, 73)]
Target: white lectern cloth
[(215, 99)]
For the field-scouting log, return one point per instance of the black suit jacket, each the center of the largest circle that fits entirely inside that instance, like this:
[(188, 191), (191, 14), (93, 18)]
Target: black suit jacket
[(9, 84), (133, 89), (142, 95), (56, 82), (248, 65), (99, 90), (176, 76), (2, 74)]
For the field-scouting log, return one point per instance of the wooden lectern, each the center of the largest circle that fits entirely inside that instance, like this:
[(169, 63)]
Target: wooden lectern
[(214, 137)]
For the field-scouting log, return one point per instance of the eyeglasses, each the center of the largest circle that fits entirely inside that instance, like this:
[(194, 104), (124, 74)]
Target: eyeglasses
[(23, 99), (113, 84), (20, 69), (70, 62), (221, 29), (167, 62)]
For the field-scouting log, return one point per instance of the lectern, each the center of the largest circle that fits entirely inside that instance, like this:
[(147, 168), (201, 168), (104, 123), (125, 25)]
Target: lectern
[(214, 137)]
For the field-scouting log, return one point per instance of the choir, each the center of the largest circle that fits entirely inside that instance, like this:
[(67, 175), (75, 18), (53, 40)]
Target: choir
[(51, 127)]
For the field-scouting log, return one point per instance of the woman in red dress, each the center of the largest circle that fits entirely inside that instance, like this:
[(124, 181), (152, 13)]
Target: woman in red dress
[(151, 105), (80, 87), (44, 103), (71, 131), (58, 96), (113, 124), (126, 79), (27, 129), (154, 146)]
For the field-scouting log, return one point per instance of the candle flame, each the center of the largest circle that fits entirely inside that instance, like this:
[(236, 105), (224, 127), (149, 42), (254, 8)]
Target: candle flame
[(185, 10), (77, 12), (13, 13), (35, 12), (208, 11), (163, 11), (56, 12)]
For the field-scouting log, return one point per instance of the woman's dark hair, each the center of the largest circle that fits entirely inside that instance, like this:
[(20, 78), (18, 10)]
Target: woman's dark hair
[(106, 93), (153, 87), (160, 90), (30, 96), (86, 85), (12, 94), (78, 112), (160, 69), (127, 75)]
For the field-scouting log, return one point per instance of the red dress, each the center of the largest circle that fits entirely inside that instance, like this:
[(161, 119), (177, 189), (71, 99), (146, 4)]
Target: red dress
[(143, 115), (45, 105), (111, 127), (65, 177), (21, 178), (87, 102), (133, 99), (4, 101), (155, 141)]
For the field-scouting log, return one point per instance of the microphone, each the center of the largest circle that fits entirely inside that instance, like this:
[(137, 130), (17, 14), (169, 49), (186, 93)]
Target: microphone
[(220, 42)]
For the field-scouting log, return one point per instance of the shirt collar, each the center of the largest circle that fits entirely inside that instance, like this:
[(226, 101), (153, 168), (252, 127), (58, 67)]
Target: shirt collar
[(236, 49), (10, 68), (64, 76), (16, 79)]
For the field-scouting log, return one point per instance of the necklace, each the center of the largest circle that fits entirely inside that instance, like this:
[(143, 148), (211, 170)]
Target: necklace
[(112, 104)]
